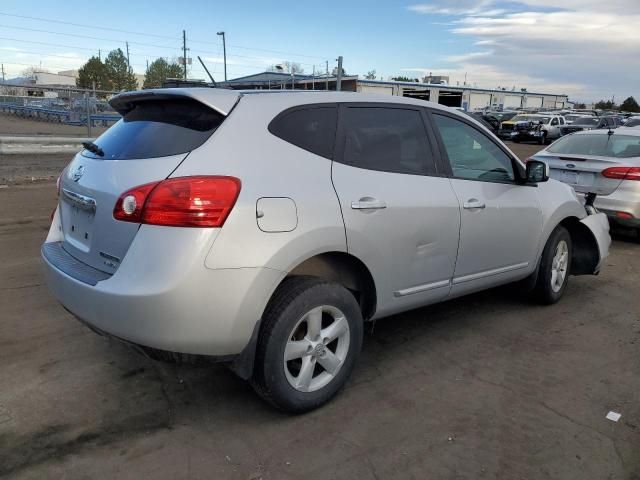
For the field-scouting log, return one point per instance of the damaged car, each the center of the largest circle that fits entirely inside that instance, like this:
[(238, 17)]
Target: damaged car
[(539, 128), (264, 230)]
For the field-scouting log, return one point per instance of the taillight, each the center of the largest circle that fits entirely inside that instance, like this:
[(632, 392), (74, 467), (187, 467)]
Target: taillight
[(202, 201), (622, 173)]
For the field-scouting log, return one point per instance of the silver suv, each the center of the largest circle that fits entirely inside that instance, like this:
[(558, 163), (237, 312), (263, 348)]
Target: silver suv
[(263, 229)]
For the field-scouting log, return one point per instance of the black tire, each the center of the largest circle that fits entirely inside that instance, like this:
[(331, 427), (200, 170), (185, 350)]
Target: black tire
[(543, 291), (292, 300), (542, 139)]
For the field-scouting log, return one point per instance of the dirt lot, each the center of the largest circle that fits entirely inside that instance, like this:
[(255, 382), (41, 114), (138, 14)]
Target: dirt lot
[(485, 387)]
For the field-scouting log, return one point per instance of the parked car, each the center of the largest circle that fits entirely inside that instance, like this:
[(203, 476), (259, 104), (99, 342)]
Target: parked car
[(488, 121), (603, 162), (632, 122), (590, 123), (539, 128), (262, 229)]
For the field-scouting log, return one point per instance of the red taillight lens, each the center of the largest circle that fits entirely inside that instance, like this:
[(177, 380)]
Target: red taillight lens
[(203, 201), (622, 173), (129, 206)]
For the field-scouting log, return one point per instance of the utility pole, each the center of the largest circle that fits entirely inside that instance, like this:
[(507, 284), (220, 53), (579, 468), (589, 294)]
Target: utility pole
[(339, 75), (3, 73), (128, 64), (313, 78), (326, 85), (224, 50), (99, 54), (184, 52)]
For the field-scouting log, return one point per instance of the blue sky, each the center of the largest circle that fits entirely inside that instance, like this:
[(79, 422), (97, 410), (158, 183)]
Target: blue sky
[(521, 43)]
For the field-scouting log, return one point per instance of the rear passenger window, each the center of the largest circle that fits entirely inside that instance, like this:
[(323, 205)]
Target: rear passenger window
[(312, 128), (386, 139)]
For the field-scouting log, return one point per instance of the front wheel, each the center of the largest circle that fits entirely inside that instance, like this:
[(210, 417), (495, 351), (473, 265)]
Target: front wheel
[(309, 342), (555, 265)]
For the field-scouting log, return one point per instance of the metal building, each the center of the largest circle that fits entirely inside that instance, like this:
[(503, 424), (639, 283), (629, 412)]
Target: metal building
[(465, 97)]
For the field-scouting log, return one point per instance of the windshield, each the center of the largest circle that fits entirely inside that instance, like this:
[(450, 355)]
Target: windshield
[(530, 118), (586, 121), (616, 146)]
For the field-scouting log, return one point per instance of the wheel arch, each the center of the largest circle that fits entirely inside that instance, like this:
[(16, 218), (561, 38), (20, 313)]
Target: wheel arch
[(345, 269), (585, 253), (334, 266)]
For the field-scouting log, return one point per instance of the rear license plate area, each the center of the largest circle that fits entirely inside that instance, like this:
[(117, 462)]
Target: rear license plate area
[(77, 225)]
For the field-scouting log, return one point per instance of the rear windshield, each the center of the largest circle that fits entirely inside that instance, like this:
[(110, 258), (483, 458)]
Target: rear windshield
[(158, 128), (616, 146)]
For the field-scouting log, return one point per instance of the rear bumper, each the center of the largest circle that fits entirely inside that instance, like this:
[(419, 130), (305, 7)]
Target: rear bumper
[(176, 306), (622, 200)]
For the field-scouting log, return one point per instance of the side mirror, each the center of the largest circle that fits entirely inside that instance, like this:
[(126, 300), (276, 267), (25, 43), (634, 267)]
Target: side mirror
[(537, 171)]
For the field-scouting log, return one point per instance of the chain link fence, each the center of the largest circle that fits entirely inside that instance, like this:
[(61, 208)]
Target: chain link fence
[(66, 105)]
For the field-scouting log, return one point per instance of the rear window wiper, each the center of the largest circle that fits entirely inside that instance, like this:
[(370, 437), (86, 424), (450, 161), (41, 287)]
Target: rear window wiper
[(93, 148)]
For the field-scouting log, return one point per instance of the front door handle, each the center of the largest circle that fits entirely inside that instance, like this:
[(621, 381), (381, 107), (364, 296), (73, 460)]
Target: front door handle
[(368, 203), (473, 203)]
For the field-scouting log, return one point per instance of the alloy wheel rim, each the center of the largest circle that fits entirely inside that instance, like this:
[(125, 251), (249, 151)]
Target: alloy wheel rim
[(316, 348), (559, 266)]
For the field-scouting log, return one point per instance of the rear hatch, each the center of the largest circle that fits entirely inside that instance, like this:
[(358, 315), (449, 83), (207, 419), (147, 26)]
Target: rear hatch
[(156, 133), (579, 160)]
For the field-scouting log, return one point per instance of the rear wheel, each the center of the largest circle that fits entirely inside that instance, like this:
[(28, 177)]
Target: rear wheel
[(555, 266), (308, 345)]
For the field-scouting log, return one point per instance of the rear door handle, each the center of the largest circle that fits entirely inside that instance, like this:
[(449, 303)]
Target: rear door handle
[(368, 203), (473, 203)]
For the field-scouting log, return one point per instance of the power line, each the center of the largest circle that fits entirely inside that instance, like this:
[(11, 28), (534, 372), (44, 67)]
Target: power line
[(84, 25), (86, 36), (242, 47)]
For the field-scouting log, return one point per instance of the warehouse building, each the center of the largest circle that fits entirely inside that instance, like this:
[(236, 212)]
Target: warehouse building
[(465, 97)]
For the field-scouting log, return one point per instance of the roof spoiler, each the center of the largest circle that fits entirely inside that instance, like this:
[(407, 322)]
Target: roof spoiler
[(221, 100)]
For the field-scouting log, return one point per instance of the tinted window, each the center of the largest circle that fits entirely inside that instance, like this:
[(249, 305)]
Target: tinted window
[(312, 128), (386, 139), (158, 128), (472, 155), (617, 146)]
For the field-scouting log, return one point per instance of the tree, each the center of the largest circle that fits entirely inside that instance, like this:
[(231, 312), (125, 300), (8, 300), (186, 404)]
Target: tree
[(605, 105), (579, 105), (158, 71), (30, 72), (334, 72), (404, 79), (371, 75), (287, 67), (93, 73), (630, 105), (119, 72)]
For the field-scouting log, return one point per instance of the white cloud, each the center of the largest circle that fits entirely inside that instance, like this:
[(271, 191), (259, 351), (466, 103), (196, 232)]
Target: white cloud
[(581, 47)]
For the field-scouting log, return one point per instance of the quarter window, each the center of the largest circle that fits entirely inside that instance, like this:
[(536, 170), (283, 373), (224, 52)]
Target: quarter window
[(386, 139), (312, 129), (471, 154)]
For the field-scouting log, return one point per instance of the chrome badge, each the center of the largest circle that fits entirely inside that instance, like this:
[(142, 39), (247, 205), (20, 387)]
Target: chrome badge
[(77, 174)]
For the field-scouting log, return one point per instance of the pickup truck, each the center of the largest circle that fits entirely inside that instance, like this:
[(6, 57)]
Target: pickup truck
[(532, 127)]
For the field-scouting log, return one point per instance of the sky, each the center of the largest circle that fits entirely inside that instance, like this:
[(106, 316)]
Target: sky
[(588, 49)]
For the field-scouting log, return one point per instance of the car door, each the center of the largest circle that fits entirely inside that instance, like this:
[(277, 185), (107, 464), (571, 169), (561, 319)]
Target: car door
[(554, 128), (501, 220), (401, 215)]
